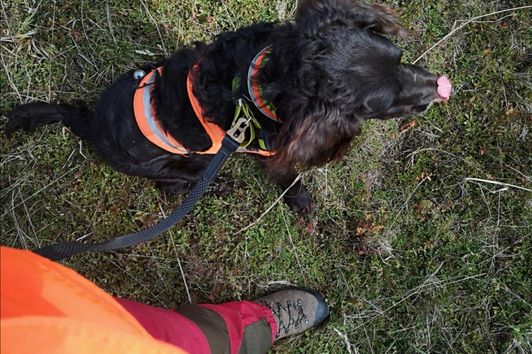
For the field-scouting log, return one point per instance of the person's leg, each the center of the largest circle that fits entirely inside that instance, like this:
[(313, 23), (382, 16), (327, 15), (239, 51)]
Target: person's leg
[(239, 327), (233, 327)]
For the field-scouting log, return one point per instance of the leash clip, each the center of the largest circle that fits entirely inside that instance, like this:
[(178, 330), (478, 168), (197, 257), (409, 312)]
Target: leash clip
[(238, 130)]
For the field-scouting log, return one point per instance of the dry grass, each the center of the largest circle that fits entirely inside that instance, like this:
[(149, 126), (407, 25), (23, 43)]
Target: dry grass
[(420, 238)]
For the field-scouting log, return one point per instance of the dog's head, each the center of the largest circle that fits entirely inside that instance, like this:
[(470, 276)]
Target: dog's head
[(335, 67)]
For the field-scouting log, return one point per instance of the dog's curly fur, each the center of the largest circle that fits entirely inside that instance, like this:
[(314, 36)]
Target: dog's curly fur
[(329, 70)]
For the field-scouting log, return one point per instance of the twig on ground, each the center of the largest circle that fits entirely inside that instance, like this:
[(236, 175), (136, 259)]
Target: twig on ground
[(345, 339), (414, 153), (294, 248), (109, 23), (155, 23), (136, 280), (178, 260), (19, 231), (9, 79), (271, 206), (465, 24), (407, 200), (472, 179), (426, 285), (42, 189)]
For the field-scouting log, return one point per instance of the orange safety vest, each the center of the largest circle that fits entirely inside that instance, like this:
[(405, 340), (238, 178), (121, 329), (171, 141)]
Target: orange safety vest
[(152, 129), (48, 308)]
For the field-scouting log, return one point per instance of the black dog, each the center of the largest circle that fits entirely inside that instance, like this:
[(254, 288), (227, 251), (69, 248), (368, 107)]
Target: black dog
[(320, 78)]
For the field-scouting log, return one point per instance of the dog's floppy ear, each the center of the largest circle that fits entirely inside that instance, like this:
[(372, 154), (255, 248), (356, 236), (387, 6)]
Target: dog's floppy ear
[(314, 136), (314, 15)]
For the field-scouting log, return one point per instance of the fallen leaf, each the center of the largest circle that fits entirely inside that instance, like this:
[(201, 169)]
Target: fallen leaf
[(407, 126), (75, 35)]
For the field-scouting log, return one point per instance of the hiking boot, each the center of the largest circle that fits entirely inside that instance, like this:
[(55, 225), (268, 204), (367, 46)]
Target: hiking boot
[(295, 310)]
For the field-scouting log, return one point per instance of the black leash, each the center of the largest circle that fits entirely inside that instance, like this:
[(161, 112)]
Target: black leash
[(230, 144)]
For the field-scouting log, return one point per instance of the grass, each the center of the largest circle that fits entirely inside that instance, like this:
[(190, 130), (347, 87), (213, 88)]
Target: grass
[(412, 256)]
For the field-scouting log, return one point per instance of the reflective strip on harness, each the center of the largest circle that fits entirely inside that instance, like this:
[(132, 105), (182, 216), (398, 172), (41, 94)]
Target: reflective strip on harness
[(147, 122)]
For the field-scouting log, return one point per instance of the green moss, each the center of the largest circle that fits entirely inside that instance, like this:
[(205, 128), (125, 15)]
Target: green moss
[(412, 257)]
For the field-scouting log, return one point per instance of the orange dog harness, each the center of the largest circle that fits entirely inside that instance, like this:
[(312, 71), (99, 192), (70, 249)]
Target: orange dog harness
[(152, 129)]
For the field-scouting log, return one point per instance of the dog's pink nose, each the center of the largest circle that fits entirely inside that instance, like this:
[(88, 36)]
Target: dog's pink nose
[(444, 87)]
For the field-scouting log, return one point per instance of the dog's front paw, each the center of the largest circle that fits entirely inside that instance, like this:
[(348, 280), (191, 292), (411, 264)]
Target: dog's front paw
[(300, 203), (174, 188)]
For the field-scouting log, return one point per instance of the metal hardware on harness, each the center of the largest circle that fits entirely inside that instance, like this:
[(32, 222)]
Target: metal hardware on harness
[(238, 130)]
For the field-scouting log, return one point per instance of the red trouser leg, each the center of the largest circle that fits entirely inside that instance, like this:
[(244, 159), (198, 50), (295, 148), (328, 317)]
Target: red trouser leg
[(240, 327), (246, 323), (168, 326)]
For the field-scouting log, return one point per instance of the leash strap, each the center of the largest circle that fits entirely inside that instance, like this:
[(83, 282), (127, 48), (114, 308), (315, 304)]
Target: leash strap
[(68, 249)]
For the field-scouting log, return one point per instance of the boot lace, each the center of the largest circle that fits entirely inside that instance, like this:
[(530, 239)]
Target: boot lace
[(289, 315)]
